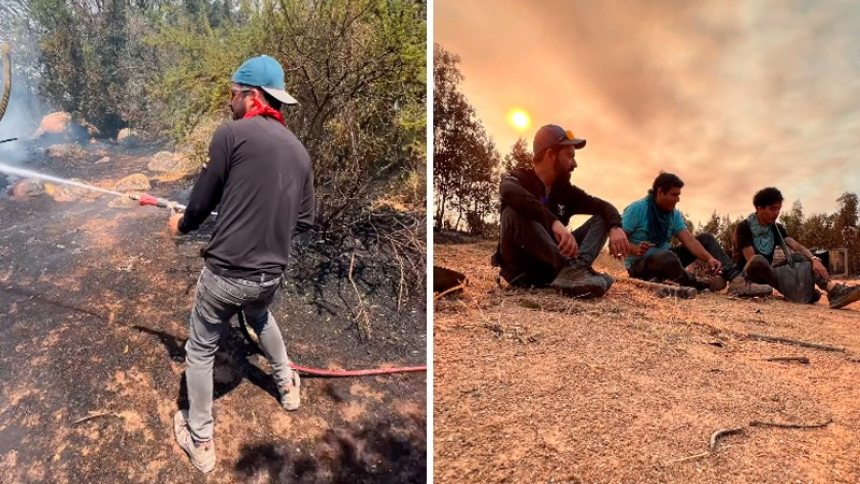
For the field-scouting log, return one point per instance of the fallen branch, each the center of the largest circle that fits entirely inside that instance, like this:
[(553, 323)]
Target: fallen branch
[(664, 290), (444, 293), (97, 415), (685, 459), (712, 445), (757, 423), (800, 359), (775, 339)]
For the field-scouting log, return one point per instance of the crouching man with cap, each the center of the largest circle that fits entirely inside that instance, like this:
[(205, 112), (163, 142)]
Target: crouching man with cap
[(535, 247), (261, 176), (652, 221), (796, 276)]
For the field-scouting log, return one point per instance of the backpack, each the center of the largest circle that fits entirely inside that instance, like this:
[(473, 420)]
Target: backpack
[(795, 278)]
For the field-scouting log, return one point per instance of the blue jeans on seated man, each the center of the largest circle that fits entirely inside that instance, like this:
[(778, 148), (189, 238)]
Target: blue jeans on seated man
[(529, 254), (218, 299), (669, 264)]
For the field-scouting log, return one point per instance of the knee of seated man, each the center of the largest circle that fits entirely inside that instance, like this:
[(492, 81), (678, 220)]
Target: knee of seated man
[(706, 238), (665, 257)]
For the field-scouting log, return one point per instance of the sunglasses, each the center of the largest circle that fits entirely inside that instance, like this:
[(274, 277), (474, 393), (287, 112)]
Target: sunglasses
[(234, 92)]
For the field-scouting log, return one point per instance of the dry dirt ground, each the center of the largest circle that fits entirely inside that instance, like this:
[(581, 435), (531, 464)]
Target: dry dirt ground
[(95, 299), (534, 387)]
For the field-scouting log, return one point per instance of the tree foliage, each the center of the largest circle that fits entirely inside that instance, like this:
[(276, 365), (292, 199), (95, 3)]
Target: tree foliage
[(465, 161), (163, 67), (519, 157)]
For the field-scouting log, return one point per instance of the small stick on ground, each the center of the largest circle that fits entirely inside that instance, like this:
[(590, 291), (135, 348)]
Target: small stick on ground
[(361, 317), (444, 293), (664, 290), (689, 457), (800, 359), (712, 445), (775, 339), (757, 423), (97, 415)]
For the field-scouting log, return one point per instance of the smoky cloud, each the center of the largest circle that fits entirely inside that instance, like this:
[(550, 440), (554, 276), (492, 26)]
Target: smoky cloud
[(730, 95)]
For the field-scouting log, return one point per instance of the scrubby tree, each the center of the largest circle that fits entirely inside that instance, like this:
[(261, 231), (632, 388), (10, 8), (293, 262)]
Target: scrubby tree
[(519, 157), (465, 159)]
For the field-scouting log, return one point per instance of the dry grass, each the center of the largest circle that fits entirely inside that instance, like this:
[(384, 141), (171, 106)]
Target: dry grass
[(531, 386)]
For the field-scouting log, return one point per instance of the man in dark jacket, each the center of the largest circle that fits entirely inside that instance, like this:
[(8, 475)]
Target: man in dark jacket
[(535, 246), (755, 241), (261, 176)]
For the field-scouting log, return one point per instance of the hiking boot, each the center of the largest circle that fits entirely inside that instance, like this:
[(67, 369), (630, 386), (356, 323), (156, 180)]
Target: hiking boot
[(606, 277), (697, 283), (579, 281), (759, 269), (842, 295), (716, 283), (742, 287), (290, 392), (202, 454)]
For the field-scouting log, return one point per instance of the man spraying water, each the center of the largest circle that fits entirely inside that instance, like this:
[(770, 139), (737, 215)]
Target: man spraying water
[(261, 176)]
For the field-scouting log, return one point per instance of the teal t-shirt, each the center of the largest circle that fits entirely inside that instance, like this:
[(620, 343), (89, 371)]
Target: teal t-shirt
[(634, 221)]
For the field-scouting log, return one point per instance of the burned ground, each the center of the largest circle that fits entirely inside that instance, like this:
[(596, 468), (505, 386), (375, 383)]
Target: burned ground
[(95, 299), (531, 386)]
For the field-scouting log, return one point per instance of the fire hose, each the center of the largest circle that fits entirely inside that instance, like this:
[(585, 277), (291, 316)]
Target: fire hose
[(147, 199)]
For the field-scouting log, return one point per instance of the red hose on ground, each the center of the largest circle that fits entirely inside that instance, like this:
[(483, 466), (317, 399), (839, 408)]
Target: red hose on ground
[(344, 373)]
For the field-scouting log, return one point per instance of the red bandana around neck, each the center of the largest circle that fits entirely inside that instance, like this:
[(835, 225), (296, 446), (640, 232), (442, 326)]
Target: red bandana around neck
[(259, 110)]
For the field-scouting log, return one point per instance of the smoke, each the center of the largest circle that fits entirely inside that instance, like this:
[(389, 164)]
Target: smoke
[(732, 96), (25, 107)]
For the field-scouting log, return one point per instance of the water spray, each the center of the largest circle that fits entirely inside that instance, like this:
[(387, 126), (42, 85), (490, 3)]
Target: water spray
[(144, 199)]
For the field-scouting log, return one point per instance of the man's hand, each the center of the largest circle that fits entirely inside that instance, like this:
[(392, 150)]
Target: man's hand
[(715, 265), (641, 249), (566, 243), (819, 269), (618, 245), (173, 223)]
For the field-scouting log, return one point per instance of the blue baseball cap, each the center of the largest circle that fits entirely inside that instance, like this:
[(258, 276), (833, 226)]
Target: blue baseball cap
[(267, 74), (552, 135)]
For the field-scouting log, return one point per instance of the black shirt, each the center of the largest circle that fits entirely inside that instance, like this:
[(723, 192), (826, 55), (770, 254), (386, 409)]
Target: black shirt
[(523, 191), (744, 238), (262, 176)]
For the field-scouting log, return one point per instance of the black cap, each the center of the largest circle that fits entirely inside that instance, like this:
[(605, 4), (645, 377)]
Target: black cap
[(551, 135)]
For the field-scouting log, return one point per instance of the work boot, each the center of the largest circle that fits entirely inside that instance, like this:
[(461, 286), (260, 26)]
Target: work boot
[(716, 283), (759, 269), (202, 454), (579, 281), (606, 277), (742, 287), (290, 392), (842, 295)]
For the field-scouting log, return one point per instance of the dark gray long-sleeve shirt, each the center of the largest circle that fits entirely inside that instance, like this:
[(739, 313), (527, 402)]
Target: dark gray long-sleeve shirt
[(262, 177), (523, 191)]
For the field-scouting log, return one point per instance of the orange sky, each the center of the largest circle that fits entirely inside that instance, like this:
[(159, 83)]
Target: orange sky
[(731, 96)]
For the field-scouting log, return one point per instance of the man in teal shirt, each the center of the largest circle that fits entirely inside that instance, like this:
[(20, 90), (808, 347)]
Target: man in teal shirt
[(651, 222)]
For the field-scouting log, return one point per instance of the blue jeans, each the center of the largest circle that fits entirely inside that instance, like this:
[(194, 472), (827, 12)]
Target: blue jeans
[(218, 299)]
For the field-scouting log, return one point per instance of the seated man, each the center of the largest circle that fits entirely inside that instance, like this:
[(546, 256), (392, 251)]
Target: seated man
[(535, 246), (755, 241), (650, 224)]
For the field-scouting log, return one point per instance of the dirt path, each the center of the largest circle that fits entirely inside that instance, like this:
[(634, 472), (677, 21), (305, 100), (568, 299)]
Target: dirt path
[(531, 386), (95, 300)]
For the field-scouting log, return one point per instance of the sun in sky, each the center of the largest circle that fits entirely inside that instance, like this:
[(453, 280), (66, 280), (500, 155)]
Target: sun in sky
[(519, 119)]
